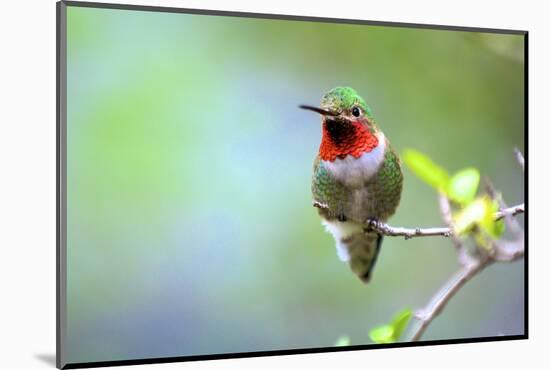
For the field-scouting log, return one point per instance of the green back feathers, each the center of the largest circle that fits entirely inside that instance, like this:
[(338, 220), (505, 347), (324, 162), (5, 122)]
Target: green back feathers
[(344, 98)]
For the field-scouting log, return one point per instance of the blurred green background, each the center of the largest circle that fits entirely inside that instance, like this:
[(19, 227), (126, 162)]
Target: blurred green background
[(190, 225)]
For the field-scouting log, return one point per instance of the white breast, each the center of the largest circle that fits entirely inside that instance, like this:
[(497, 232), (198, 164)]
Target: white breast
[(354, 171)]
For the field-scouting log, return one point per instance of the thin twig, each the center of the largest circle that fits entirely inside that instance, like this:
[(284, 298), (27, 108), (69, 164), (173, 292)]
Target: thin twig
[(385, 229), (510, 211), (519, 158), (434, 308), (509, 251), (445, 209), (497, 251), (500, 251), (511, 223), (503, 251), (408, 233)]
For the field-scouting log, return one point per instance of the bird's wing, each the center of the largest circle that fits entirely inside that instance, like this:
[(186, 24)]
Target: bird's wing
[(329, 195)]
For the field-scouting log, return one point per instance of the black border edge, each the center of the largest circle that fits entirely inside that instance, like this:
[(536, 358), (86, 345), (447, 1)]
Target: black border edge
[(61, 100), (303, 351), (226, 13), (61, 158), (526, 179)]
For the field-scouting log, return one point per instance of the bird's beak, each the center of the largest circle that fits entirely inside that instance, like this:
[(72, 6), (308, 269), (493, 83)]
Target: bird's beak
[(319, 110)]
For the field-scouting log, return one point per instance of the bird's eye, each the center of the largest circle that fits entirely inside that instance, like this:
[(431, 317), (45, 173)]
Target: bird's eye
[(356, 111)]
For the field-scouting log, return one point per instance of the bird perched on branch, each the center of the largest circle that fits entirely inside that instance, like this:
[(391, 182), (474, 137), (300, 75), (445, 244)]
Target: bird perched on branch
[(356, 177)]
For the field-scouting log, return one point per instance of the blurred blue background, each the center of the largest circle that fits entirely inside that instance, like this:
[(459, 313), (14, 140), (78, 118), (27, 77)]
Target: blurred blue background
[(190, 225)]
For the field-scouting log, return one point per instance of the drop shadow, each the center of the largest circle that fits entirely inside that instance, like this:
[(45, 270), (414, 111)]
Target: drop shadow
[(47, 358)]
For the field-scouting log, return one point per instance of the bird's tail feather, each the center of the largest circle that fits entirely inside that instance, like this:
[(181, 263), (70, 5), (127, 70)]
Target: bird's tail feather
[(363, 250)]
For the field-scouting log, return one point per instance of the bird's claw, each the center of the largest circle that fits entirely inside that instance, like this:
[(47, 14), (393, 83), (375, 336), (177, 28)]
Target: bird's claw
[(319, 205), (372, 224)]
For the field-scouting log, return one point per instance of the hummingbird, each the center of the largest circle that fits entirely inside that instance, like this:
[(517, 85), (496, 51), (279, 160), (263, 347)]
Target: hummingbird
[(357, 177)]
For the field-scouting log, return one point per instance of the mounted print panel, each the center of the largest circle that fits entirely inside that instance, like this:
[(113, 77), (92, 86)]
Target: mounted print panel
[(234, 184)]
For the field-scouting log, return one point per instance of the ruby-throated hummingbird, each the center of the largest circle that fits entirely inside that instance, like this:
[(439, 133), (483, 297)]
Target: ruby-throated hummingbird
[(356, 177)]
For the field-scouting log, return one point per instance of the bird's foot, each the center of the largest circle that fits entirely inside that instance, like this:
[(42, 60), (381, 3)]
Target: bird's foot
[(324, 210), (372, 224), (320, 205)]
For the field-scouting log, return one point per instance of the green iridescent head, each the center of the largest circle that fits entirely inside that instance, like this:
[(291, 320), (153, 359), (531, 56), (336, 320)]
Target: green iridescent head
[(345, 100)]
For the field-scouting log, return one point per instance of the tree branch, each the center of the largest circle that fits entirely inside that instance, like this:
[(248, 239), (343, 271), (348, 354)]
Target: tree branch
[(494, 251), (409, 233), (446, 213), (510, 211), (509, 251), (385, 229), (440, 300)]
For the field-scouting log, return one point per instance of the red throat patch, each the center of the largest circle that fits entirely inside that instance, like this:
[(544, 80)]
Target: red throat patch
[(353, 138)]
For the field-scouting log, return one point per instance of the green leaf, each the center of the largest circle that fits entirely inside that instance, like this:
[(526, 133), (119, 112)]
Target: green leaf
[(471, 215), (463, 185), (495, 229), (342, 341), (400, 322), (428, 171), (392, 332), (382, 334), (480, 212), (498, 229)]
